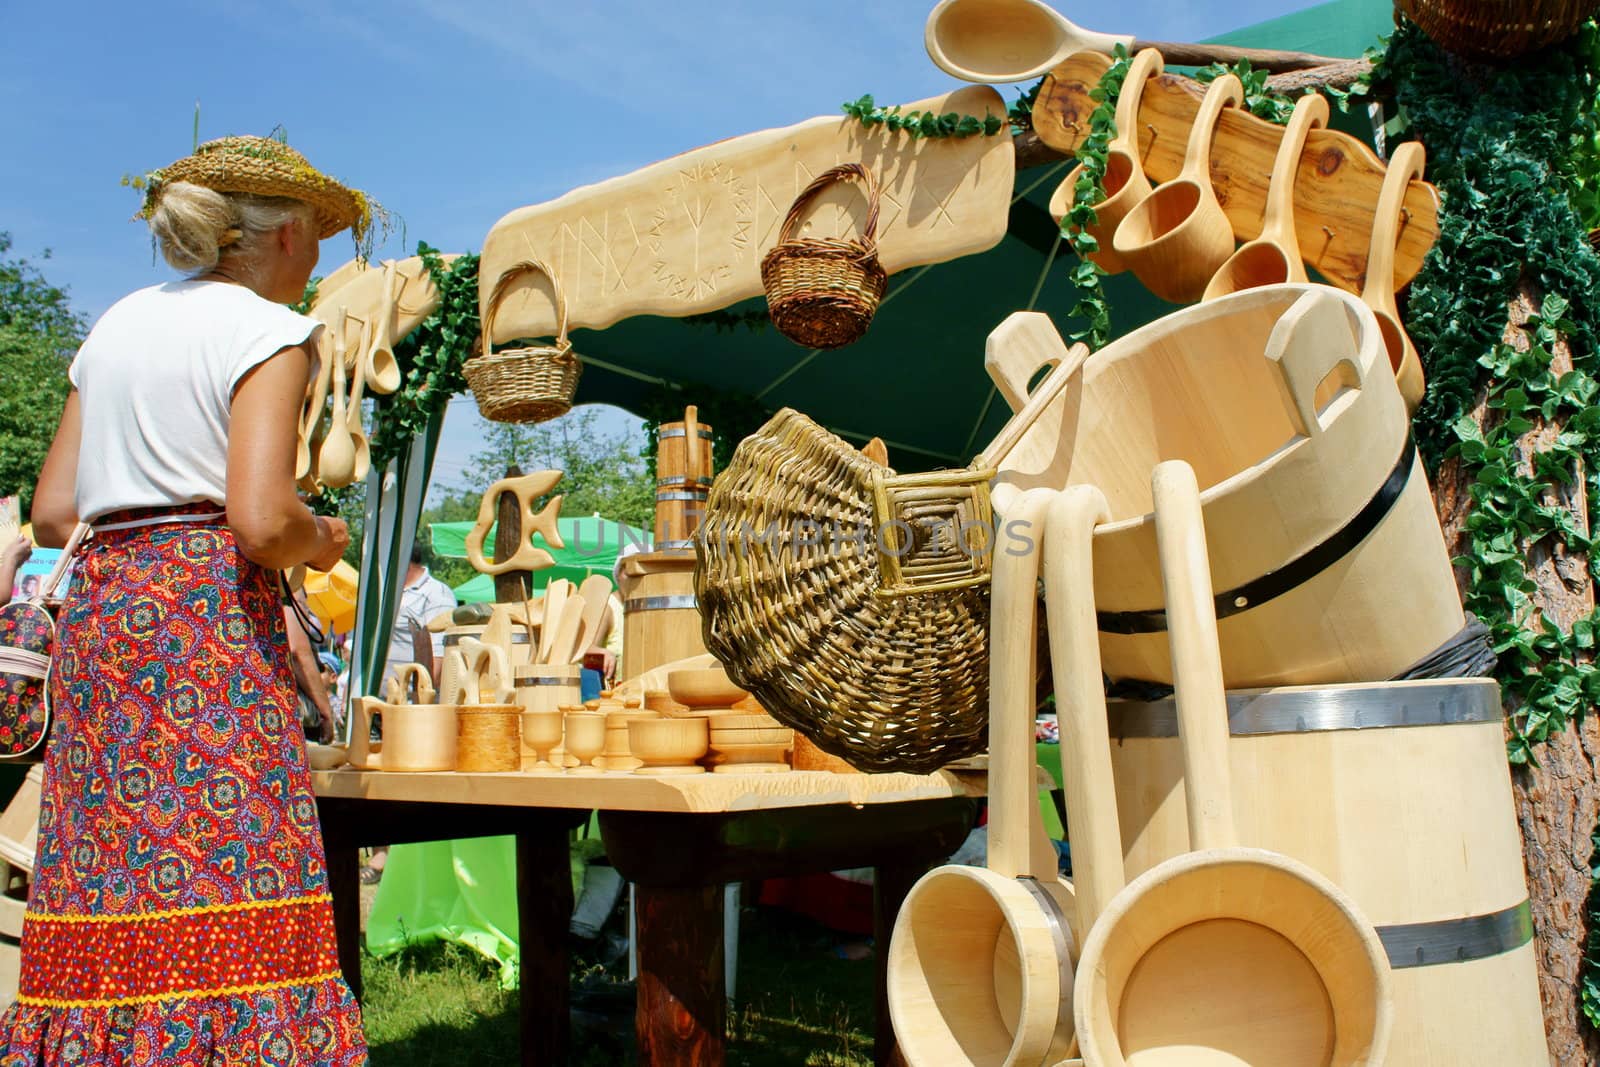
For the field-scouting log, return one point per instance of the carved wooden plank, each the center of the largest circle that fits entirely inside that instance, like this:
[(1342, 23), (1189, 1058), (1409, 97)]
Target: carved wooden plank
[(686, 235), (360, 292), (1335, 191)]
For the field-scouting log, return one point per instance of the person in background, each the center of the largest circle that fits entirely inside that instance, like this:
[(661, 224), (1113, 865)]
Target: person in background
[(422, 599), (12, 556), (332, 672), (316, 712)]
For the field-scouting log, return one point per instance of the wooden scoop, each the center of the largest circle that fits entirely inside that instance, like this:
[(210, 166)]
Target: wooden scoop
[(379, 366), (1378, 292), (1018, 40), (1274, 256), (336, 461), (1226, 954), (1175, 239), (1125, 181)]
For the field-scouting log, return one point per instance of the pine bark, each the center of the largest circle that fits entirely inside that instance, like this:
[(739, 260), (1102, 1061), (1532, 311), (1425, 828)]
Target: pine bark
[(1557, 798)]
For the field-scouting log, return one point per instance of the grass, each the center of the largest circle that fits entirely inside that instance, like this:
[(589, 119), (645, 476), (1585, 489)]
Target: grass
[(799, 1004)]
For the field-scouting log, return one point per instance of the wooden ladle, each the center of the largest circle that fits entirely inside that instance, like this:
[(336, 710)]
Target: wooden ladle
[(1125, 181), (1017, 40), (1175, 239), (381, 369), (1274, 257), (1378, 291), (337, 459), (1226, 954)]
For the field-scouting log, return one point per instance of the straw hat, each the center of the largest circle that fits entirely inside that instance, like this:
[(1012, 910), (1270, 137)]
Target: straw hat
[(264, 166)]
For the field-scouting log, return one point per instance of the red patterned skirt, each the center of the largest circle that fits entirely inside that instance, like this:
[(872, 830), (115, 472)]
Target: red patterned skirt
[(180, 912)]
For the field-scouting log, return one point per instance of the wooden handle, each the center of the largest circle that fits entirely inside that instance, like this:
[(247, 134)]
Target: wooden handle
[(1092, 824), (312, 412), (691, 443), (1406, 163), (1180, 54), (1023, 344), (484, 663), (843, 172), (1144, 66), (1013, 796), (1309, 342), (526, 489), (1196, 655), (455, 667), (876, 451), (1224, 92), (360, 754), (358, 382), (502, 286), (409, 677), (1310, 112)]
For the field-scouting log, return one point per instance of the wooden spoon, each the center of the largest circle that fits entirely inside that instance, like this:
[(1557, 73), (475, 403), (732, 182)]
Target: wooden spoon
[(311, 414), (358, 437), (564, 646), (555, 601), (596, 594), (1274, 256), (1378, 291), (337, 458), (381, 368)]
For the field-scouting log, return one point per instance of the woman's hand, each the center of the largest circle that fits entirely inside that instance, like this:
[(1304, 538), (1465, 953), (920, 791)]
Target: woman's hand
[(16, 553), (333, 538)]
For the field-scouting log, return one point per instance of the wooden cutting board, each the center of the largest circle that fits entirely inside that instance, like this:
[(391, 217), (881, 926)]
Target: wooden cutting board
[(686, 235)]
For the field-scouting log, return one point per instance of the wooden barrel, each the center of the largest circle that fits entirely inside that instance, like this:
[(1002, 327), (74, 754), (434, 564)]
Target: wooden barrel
[(683, 450), (1316, 505), (661, 619), (489, 737), (546, 687), (680, 509), (1400, 794)]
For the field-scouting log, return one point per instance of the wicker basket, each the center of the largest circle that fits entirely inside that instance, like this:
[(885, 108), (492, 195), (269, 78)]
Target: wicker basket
[(793, 601), (531, 384), (823, 291), (1497, 29)]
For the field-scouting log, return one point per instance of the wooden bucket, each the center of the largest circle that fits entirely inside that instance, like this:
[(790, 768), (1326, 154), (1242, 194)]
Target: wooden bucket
[(661, 618), (1316, 505), (545, 687), (680, 509), (1400, 794), (683, 450)]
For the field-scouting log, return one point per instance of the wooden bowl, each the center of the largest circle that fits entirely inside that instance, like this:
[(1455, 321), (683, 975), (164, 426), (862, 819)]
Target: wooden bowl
[(325, 757), (706, 687), (668, 746)]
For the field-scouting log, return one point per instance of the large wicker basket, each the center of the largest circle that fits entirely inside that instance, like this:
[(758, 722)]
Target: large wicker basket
[(823, 291), (1497, 29), (888, 671), (531, 384)]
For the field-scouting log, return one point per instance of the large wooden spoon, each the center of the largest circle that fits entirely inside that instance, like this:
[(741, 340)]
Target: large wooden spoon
[(337, 459), (381, 368), (358, 437)]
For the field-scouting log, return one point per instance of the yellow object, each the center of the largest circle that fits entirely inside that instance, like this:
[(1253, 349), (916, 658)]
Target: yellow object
[(331, 595)]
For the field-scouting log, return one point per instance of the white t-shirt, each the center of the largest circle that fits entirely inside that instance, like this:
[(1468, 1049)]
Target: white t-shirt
[(155, 381)]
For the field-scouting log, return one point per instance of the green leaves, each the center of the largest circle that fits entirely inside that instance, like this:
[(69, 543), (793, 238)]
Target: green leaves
[(918, 124)]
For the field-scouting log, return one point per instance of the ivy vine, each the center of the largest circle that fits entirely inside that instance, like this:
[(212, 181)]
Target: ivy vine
[(916, 123), (1512, 153)]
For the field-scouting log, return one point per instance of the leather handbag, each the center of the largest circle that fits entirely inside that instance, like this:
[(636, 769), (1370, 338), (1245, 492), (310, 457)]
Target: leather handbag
[(27, 638)]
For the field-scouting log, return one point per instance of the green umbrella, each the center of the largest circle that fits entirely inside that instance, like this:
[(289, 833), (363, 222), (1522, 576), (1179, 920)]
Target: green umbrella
[(593, 544)]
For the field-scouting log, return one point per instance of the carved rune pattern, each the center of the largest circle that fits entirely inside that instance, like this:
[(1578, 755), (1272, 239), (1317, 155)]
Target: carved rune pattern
[(703, 228)]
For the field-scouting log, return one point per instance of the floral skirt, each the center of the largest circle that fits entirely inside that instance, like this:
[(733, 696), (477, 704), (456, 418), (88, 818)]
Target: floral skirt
[(180, 912)]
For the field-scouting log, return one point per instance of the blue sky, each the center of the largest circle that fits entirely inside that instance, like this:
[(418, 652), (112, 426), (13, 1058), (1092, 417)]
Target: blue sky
[(450, 112)]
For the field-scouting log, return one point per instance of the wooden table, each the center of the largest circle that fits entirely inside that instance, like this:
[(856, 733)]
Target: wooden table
[(679, 840)]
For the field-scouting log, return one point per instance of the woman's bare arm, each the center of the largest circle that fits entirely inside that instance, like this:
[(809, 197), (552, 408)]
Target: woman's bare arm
[(273, 527), (55, 504)]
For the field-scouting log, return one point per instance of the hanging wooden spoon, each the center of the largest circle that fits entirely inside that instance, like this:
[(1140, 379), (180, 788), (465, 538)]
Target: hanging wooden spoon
[(381, 368), (311, 413), (358, 437), (337, 457), (1378, 291)]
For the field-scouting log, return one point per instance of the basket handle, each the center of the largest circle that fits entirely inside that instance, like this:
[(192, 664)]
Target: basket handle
[(844, 171), (502, 286)]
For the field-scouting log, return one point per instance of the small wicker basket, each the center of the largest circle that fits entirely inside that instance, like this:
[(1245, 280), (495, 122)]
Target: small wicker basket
[(890, 672), (526, 385), (1497, 29), (823, 291)]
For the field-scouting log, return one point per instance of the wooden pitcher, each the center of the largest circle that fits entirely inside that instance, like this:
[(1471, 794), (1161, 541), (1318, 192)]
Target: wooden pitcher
[(416, 737)]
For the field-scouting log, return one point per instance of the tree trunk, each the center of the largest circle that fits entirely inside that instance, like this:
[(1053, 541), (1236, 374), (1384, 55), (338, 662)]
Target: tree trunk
[(1558, 799)]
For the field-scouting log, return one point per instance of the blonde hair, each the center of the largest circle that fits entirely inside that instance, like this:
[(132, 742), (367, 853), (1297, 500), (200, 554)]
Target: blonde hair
[(196, 226)]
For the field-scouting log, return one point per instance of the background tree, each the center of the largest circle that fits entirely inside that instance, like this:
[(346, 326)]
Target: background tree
[(39, 334)]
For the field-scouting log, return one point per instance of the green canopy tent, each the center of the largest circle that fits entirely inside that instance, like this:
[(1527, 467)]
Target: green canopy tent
[(592, 546)]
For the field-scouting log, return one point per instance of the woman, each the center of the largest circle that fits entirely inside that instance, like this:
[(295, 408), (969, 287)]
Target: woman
[(179, 912)]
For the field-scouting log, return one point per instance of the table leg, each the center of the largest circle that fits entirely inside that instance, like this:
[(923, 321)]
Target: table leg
[(890, 884), (681, 1013), (544, 912), (344, 884)]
